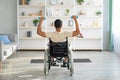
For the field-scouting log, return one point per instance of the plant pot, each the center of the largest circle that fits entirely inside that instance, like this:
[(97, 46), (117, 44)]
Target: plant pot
[(28, 2), (67, 14), (80, 3), (35, 24)]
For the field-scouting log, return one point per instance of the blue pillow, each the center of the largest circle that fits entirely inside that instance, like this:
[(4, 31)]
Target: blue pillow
[(5, 39)]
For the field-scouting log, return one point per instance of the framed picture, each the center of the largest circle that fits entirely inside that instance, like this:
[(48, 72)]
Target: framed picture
[(29, 33), (53, 2), (70, 23)]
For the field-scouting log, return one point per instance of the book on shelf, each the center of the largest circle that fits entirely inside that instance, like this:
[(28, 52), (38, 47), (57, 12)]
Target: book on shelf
[(49, 11)]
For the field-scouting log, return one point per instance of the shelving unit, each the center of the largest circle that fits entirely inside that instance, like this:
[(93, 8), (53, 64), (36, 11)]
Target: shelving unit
[(91, 24), (26, 15)]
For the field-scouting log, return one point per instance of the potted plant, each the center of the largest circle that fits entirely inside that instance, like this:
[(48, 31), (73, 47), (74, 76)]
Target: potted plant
[(35, 21), (67, 11), (28, 2), (80, 1)]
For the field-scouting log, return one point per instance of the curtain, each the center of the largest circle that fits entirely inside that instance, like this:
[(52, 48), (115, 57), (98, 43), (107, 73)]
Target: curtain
[(110, 26)]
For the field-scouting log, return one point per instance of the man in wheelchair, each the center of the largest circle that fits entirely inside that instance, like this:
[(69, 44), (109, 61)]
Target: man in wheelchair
[(58, 35)]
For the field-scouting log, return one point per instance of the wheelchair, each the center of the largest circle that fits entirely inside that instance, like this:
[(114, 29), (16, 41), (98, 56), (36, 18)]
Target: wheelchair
[(58, 50)]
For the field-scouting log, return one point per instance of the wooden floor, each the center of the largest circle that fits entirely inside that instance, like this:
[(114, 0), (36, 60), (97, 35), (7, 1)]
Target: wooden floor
[(104, 66)]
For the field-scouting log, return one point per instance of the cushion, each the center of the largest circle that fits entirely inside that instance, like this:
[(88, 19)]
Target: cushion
[(5, 39), (13, 46)]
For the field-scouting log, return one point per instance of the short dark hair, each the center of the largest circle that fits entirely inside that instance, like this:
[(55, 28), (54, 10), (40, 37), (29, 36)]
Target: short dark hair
[(58, 23)]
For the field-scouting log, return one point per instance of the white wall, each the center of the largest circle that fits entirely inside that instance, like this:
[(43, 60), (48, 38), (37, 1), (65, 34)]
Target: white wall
[(116, 25), (8, 14), (106, 25)]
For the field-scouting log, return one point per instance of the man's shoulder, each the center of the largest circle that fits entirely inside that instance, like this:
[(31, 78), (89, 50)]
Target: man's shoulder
[(49, 32)]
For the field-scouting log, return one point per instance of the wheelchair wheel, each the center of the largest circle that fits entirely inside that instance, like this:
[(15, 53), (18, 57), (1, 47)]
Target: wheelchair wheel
[(68, 61), (46, 64), (49, 62), (71, 69), (71, 65)]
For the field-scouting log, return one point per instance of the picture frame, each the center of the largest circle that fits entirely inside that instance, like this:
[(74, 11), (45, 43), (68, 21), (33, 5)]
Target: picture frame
[(70, 22), (53, 2)]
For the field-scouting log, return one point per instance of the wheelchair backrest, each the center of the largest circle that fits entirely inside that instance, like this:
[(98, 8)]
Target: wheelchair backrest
[(58, 49)]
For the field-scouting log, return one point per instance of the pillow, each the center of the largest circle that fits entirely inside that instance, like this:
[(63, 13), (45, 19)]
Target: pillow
[(5, 39)]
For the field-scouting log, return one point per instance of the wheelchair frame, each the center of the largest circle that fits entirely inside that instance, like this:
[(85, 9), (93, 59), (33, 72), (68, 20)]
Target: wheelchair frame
[(56, 53)]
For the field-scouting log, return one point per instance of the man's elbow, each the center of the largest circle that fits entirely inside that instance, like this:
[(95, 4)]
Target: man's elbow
[(41, 34), (38, 33), (78, 32)]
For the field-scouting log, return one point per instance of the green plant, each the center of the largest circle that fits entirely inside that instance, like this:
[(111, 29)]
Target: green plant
[(35, 21), (98, 12), (80, 1), (67, 10)]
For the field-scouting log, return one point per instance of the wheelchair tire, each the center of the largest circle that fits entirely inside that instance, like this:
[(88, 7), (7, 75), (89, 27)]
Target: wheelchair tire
[(46, 64), (71, 68), (49, 63), (71, 71), (68, 63), (71, 64)]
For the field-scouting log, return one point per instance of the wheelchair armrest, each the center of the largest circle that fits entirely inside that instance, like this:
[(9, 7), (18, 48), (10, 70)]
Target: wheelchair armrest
[(68, 44), (48, 44), (47, 50)]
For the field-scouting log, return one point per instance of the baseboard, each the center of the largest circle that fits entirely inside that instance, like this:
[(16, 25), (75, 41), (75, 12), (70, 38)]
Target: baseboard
[(31, 50), (72, 49), (87, 50)]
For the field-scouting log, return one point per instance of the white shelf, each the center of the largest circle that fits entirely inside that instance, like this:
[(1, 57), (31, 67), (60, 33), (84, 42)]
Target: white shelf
[(90, 6), (88, 38), (87, 16), (90, 27), (57, 6), (58, 17), (32, 5), (31, 38), (31, 27), (80, 16), (24, 27), (28, 16)]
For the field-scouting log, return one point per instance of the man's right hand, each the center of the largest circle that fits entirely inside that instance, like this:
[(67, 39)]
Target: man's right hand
[(74, 17), (42, 18)]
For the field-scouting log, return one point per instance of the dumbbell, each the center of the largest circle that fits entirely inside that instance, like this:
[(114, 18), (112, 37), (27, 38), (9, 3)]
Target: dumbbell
[(76, 16), (39, 18)]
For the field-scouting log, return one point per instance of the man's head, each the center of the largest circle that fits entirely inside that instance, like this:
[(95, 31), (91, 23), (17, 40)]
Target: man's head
[(58, 23)]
